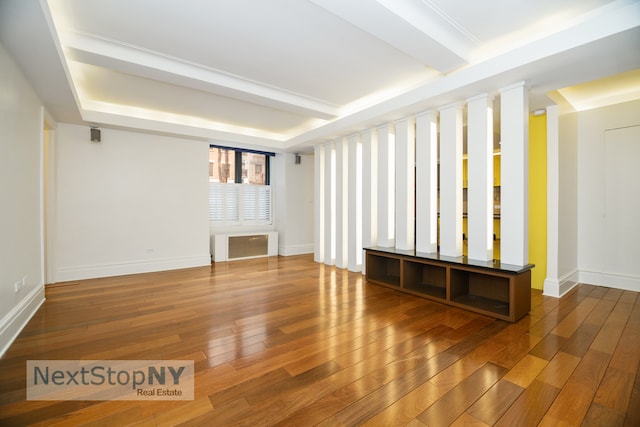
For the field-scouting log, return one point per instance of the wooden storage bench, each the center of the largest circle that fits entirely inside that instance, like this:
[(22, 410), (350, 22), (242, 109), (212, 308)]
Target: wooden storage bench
[(492, 288)]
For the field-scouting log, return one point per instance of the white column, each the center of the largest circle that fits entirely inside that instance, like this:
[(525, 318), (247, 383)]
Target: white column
[(329, 204), (386, 186), (427, 182), (514, 190), (369, 191), (342, 194), (405, 183), (552, 281), (480, 177), (451, 180), (354, 203), (319, 197)]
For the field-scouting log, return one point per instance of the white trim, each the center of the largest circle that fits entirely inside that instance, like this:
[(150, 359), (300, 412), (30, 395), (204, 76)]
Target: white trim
[(520, 84), (132, 267), (145, 63), (318, 218), (553, 195), (41, 186), (451, 128), (426, 181), (341, 203), (404, 198), (514, 174), (290, 250), (386, 185), (618, 281), (558, 288), (354, 203), (13, 323), (50, 209), (551, 288)]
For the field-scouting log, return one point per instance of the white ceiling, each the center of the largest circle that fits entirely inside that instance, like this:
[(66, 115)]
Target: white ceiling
[(284, 74)]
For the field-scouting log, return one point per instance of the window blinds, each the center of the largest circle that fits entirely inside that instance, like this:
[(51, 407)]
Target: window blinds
[(234, 204)]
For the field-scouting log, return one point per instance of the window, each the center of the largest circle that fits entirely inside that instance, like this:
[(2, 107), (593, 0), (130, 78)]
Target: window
[(253, 170), (239, 186), (221, 165)]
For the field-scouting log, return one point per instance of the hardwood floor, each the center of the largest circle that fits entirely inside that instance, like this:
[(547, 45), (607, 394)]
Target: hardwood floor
[(285, 341)]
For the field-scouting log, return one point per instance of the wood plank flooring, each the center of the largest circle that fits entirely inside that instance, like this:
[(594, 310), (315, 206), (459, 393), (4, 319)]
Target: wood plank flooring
[(286, 341)]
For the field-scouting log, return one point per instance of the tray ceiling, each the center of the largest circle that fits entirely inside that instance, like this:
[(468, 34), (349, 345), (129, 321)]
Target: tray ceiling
[(285, 74)]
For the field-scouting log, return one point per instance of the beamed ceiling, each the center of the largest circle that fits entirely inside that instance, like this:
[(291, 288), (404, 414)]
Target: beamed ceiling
[(285, 74)]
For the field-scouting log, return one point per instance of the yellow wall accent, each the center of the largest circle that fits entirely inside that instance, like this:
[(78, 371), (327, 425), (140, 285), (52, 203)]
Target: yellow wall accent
[(538, 199)]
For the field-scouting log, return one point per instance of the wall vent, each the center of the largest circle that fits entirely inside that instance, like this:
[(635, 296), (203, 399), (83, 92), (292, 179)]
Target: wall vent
[(228, 247)]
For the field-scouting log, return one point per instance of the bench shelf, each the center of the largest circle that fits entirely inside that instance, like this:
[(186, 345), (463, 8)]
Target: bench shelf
[(491, 288)]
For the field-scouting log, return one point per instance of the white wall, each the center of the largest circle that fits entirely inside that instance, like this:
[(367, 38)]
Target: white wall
[(132, 203), (594, 245), (293, 187), (568, 201), (21, 127)]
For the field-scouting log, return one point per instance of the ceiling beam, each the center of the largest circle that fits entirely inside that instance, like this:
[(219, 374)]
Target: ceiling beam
[(414, 27), (134, 60)]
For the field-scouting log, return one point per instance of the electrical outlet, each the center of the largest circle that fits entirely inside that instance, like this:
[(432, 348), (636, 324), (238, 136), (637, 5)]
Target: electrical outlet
[(16, 287)]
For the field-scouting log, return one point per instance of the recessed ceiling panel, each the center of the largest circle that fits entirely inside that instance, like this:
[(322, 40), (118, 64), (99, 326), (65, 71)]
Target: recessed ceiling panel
[(504, 24), (295, 72), (116, 88), (607, 91), (293, 45)]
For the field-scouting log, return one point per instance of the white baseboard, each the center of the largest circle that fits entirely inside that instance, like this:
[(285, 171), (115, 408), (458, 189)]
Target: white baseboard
[(356, 268), (296, 250), (569, 281), (551, 288), (134, 267), (19, 316), (627, 283), (558, 288)]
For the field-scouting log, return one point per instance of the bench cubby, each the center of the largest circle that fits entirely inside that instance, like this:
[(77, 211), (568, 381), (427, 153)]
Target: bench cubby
[(491, 288)]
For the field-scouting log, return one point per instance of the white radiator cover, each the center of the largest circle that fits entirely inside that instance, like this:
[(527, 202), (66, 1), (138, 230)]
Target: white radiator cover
[(220, 245)]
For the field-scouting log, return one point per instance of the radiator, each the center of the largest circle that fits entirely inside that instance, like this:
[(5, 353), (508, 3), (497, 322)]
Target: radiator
[(233, 246)]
